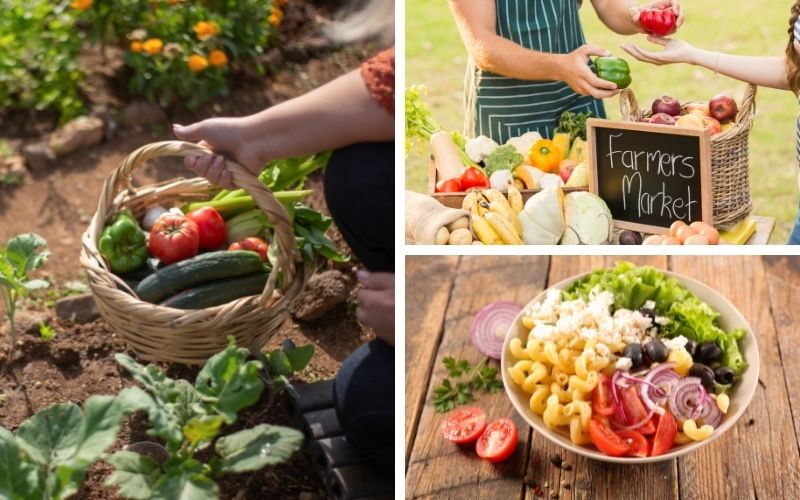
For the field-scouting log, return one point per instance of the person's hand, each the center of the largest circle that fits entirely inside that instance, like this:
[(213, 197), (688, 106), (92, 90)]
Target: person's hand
[(376, 303), (576, 73), (675, 51), (677, 8), (225, 136)]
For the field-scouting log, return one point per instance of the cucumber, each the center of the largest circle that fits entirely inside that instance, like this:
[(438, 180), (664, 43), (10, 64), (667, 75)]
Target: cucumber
[(218, 293), (204, 268)]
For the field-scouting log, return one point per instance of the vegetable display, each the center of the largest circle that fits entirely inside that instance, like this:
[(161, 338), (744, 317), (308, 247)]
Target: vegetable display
[(123, 244), (613, 69), (210, 227)]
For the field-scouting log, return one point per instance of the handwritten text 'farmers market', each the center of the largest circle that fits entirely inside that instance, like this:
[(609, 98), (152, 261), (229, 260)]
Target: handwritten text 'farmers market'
[(663, 164)]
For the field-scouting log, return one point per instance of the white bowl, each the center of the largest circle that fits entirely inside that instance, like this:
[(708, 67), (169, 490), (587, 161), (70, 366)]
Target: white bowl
[(740, 395)]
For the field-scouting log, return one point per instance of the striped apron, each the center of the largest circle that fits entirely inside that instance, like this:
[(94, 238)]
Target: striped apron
[(501, 107)]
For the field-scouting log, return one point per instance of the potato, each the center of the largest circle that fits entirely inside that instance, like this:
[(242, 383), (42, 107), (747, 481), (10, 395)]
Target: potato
[(460, 236), (463, 222), (442, 236)]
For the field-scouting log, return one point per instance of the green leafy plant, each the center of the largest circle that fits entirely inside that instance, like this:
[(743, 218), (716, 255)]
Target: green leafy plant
[(468, 379), (46, 331), (189, 418), (22, 255), (51, 452), (281, 364)]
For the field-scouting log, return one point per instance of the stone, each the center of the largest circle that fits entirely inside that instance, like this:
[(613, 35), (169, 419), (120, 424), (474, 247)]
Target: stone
[(82, 132), (295, 53), (38, 155), (142, 113), (78, 308), (324, 292)]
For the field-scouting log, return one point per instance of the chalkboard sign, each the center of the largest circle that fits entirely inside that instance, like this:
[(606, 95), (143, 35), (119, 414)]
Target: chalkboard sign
[(650, 175)]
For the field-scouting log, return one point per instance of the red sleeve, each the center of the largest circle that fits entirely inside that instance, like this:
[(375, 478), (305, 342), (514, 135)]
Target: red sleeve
[(378, 74)]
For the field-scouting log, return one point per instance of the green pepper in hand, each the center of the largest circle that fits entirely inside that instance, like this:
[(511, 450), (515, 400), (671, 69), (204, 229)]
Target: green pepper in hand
[(613, 69), (123, 244)]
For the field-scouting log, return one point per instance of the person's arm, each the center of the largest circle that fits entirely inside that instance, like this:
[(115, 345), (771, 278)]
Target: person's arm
[(490, 52), (622, 16), (759, 70)]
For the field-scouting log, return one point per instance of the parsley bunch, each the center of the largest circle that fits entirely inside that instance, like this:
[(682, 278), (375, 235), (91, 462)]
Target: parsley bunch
[(467, 379)]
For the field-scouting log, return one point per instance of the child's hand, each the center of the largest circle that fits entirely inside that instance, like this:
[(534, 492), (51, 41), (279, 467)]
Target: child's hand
[(676, 8), (675, 51)]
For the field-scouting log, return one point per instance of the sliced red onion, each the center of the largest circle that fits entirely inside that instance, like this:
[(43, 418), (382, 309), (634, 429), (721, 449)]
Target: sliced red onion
[(615, 395), (659, 382), (490, 326), (710, 415), (642, 422), (686, 398)]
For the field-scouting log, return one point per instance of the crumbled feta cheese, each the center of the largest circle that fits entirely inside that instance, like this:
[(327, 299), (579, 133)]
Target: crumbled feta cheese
[(675, 344), (624, 364), (662, 320), (650, 304)]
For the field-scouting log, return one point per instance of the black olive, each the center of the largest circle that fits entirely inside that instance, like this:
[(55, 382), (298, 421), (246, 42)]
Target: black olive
[(656, 351), (690, 347), (723, 375), (704, 373), (636, 353), (707, 353)]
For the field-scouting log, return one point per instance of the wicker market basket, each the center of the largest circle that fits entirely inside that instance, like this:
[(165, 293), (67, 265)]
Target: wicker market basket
[(158, 333), (730, 165)]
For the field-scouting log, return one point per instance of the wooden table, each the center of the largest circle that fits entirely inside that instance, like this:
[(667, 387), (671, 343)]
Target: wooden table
[(758, 458)]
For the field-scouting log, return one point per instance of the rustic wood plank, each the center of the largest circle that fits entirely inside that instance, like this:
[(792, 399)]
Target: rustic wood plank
[(764, 228), (438, 468), (589, 479), (429, 281), (758, 460)]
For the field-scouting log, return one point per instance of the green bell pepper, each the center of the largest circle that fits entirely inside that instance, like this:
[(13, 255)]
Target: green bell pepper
[(123, 244), (613, 69)]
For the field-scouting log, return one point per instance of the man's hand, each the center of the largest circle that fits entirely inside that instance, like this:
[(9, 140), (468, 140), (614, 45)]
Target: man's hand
[(676, 8), (376, 303), (575, 72)]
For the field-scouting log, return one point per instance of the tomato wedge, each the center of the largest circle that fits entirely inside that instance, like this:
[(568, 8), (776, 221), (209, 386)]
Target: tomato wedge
[(499, 441), (602, 403), (635, 410), (464, 425), (638, 444), (665, 435), (606, 440)]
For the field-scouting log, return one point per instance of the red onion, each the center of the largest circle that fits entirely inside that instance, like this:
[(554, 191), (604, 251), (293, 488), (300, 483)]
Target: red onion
[(659, 382), (490, 326), (615, 396), (640, 423), (689, 400)]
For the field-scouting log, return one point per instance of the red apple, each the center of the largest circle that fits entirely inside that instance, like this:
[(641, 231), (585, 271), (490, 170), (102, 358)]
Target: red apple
[(565, 169), (662, 119), (712, 125), (697, 108), (667, 105), (722, 108)]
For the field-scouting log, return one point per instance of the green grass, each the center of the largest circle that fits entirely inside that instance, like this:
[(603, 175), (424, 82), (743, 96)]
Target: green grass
[(436, 58)]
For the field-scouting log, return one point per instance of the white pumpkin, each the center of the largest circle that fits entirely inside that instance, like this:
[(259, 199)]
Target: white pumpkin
[(588, 219), (551, 180), (542, 217)]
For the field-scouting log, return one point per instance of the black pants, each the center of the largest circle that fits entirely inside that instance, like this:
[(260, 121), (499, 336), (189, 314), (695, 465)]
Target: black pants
[(359, 191)]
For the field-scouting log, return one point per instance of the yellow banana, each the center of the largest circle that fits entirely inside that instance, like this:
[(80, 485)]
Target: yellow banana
[(478, 205), (508, 214), (515, 199), (495, 195), (469, 199), (503, 228), (483, 230)]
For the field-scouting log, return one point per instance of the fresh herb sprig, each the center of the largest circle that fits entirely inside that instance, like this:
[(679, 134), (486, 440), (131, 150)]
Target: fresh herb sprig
[(467, 381)]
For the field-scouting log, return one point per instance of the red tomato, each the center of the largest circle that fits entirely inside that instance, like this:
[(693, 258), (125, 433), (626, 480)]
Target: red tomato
[(211, 226), (601, 396), (606, 440), (635, 411), (473, 177), (449, 186), (174, 238), (638, 444), (253, 244), (658, 21), (665, 435), (464, 425), (499, 441)]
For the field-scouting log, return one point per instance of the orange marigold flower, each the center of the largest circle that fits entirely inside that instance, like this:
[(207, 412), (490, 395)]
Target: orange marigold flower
[(197, 63), (276, 17), (136, 47), (82, 5), (217, 58), (153, 46), (205, 30)]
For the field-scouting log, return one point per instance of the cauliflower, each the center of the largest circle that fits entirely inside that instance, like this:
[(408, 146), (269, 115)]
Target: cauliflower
[(525, 142), (500, 180), (478, 148), (505, 157)]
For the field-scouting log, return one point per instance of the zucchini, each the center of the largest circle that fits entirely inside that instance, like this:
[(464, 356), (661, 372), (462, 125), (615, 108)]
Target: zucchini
[(204, 268), (218, 293)]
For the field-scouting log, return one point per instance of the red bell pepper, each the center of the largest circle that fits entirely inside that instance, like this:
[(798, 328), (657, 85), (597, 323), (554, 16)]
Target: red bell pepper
[(658, 21)]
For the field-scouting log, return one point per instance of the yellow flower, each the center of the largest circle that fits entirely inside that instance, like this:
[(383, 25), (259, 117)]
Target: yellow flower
[(197, 63), (153, 46), (136, 47), (82, 5), (206, 30), (276, 17), (217, 58)]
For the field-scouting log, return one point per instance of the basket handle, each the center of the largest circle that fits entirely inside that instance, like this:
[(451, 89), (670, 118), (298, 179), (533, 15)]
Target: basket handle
[(287, 253), (628, 106), (748, 108)]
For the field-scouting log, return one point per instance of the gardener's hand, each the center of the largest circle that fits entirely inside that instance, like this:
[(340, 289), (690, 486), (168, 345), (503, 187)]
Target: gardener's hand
[(575, 72), (677, 8), (376, 303), (675, 51)]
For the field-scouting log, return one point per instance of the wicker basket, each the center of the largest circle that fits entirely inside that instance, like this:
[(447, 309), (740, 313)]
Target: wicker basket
[(157, 333), (730, 166)]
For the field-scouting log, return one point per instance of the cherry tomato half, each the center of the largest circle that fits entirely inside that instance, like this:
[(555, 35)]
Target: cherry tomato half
[(498, 441), (665, 435), (464, 425), (638, 445), (635, 411), (606, 440), (602, 403)]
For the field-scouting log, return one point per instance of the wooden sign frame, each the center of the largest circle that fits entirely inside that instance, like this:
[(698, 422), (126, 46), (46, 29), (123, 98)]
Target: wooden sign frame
[(702, 135)]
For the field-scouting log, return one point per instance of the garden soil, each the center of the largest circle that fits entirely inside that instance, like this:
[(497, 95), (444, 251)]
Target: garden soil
[(58, 203)]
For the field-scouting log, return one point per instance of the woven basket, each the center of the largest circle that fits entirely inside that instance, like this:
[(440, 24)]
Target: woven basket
[(157, 333), (730, 165)]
